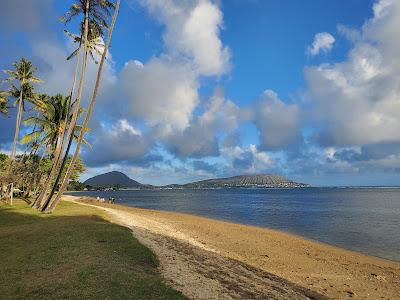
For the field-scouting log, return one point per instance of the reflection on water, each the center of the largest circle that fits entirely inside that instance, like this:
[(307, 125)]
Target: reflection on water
[(365, 220)]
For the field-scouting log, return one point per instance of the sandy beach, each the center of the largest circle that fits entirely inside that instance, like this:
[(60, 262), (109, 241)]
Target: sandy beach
[(210, 259)]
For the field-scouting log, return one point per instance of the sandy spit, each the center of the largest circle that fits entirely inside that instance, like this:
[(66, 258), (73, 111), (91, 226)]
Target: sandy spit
[(209, 259)]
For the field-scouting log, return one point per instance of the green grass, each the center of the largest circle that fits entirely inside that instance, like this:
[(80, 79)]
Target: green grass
[(73, 253)]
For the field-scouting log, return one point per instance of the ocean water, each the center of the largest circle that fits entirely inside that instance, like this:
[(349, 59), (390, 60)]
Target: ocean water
[(366, 220)]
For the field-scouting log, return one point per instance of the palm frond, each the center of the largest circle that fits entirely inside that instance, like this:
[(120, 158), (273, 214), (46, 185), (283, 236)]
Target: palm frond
[(30, 137)]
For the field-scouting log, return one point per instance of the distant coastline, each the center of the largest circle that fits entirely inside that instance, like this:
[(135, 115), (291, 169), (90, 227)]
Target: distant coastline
[(116, 180)]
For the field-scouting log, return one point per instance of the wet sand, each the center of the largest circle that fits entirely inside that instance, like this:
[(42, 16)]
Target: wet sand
[(209, 259)]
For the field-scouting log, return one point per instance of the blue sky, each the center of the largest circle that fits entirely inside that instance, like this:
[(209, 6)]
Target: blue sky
[(200, 88)]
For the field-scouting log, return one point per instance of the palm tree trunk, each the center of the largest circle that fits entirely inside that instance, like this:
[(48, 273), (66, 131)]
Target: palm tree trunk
[(16, 135), (64, 161), (63, 187), (11, 195), (18, 123), (42, 195), (55, 185), (59, 149), (44, 202)]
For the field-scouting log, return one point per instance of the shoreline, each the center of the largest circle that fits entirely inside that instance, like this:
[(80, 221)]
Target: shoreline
[(290, 233), (322, 268)]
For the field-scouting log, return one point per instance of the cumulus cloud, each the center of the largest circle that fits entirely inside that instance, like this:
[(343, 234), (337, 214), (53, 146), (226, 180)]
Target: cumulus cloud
[(57, 73), (323, 42), (161, 92), (380, 157), (119, 142), (277, 122), (164, 92), (200, 138), (250, 160), (357, 100), (201, 165), (192, 31)]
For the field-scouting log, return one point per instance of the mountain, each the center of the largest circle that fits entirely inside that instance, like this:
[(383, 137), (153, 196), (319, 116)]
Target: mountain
[(118, 179), (262, 181), (113, 179)]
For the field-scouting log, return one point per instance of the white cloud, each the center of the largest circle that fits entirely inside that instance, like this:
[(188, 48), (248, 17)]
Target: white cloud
[(277, 122), (161, 92), (116, 143), (357, 100), (323, 42), (57, 73), (192, 31), (124, 125), (248, 160), (221, 116)]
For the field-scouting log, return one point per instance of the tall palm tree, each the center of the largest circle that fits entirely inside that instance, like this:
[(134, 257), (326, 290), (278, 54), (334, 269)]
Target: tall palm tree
[(24, 74), (82, 6), (96, 13), (53, 203), (95, 21), (94, 45)]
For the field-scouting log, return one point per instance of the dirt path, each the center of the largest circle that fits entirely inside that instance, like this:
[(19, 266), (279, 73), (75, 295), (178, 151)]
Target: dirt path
[(208, 259)]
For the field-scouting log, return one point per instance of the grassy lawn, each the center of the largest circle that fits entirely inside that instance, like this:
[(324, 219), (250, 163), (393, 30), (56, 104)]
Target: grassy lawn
[(73, 253)]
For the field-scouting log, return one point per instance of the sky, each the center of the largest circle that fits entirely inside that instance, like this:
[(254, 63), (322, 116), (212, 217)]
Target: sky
[(196, 89)]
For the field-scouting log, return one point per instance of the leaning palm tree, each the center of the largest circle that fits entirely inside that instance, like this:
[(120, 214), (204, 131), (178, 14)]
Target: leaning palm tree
[(95, 21), (23, 73), (84, 7), (49, 207)]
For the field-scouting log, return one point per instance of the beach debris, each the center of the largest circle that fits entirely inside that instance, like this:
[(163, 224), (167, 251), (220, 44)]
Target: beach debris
[(350, 293)]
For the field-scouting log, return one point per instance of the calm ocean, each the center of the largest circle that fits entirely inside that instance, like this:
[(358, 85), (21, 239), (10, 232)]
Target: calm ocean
[(366, 220)]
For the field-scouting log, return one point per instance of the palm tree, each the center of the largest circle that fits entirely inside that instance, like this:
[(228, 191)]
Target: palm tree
[(24, 74), (98, 12), (84, 7), (4, 102), (52, 204), (95, 21), (95, 43), (48, 124)]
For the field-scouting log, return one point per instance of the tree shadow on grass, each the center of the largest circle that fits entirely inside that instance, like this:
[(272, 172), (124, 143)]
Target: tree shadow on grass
[(82, 256)]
